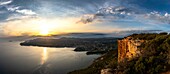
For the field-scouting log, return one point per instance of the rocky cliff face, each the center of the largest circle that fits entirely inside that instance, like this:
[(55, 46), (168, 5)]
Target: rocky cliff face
[(128, 48)]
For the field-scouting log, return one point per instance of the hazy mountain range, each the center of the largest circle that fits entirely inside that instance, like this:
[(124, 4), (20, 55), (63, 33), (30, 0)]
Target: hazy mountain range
[(118, 34)]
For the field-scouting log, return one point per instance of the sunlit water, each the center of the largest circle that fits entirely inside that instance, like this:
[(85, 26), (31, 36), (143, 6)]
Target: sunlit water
[(40, 60)]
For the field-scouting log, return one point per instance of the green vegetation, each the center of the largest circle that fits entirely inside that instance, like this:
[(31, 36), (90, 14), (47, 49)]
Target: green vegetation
[(109, 60), (92, 45), (155, 55), (154, 59)]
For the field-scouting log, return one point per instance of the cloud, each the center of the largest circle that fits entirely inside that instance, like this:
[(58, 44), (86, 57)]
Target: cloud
[(26, 12), (11, 8), (114, 10), (158, 17), (87, 18), (1, 12), (117, 14), (5, 2), (125, 10), (114, 13), (19, 17), (22, 11), (33, 25)]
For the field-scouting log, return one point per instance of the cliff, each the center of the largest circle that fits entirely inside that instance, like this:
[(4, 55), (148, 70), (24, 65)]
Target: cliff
[(128, 48), (144, 54), (136, 54)]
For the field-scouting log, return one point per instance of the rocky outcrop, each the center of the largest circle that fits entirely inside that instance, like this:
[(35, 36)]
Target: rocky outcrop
[(128, 48), (106, 71)]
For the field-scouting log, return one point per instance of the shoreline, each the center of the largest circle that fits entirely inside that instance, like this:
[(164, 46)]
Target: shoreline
[(91, 45)]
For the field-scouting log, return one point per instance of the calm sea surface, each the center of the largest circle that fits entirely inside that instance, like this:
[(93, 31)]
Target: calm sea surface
[(16, 59)]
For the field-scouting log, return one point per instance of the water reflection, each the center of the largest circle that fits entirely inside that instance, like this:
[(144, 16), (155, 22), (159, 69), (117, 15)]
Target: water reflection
[(44, 56), (39, 60)]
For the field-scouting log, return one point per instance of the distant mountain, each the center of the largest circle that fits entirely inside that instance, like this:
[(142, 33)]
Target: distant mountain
[(83, 35), (129, 32), (101, 35), (117, 34)]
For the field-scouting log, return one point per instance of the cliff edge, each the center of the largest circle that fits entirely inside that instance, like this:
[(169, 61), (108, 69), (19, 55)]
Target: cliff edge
[(136, 54), (129, 48), (144, 54)]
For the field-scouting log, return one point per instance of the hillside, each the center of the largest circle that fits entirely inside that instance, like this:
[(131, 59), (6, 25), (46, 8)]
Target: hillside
[(91, 45), (154, 55), (154, 58), (108, 60)]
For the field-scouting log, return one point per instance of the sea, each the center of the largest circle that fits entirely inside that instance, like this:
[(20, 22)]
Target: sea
[(16, 59)]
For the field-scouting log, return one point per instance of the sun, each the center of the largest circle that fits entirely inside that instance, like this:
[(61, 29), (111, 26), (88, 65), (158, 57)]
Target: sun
[(44, 30)]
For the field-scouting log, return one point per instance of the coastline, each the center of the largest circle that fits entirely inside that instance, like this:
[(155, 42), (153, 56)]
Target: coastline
[(91, 45)]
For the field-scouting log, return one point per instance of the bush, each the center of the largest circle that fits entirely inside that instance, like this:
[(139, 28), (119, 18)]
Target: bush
[(163, 33), (154, 57)]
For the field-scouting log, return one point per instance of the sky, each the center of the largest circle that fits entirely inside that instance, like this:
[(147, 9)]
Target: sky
[(33, 17)]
